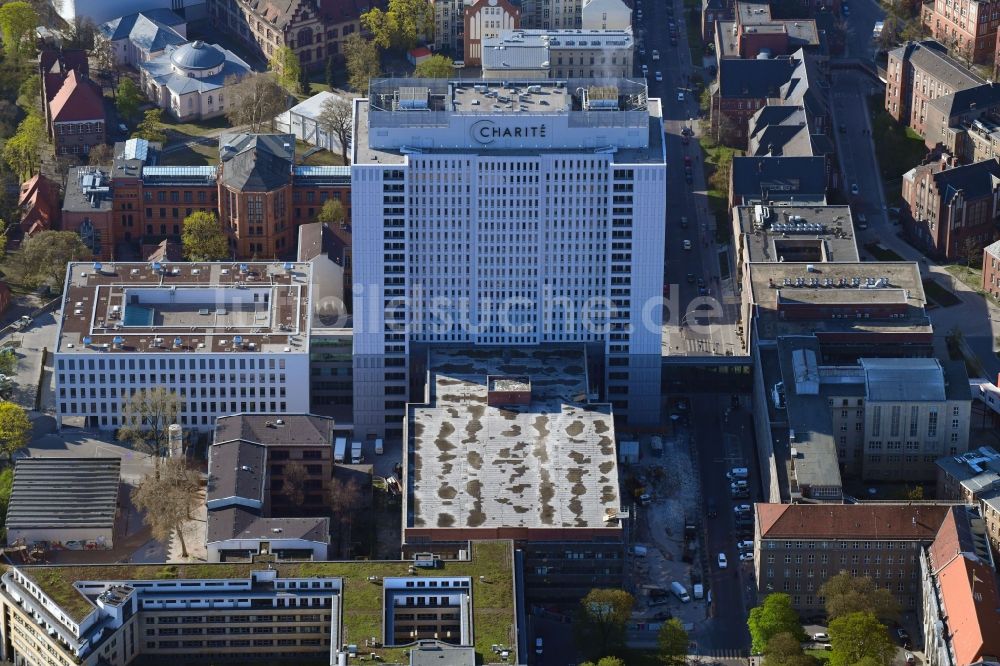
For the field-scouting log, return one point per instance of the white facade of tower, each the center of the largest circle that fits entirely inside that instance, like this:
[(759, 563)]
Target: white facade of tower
[(475, 225)]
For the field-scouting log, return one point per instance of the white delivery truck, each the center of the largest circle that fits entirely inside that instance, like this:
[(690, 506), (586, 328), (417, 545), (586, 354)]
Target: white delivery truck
[(340, 449), (356, 453), (379, 448)]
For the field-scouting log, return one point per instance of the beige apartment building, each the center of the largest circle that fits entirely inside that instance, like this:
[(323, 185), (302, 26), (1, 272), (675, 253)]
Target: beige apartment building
[(540, 54), (259, 612), (798, 547)]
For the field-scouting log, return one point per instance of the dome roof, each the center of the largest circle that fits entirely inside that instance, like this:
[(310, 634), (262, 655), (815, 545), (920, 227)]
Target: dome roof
[(198, 55)]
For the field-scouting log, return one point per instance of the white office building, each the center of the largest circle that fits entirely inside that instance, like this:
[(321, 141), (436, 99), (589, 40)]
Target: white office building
[(506, 213), (226, 337)]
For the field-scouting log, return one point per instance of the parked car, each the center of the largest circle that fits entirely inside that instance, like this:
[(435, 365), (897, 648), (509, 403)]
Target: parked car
[(746, 557), (687, 244), (723, 563), (713, 509), (821, 637), (690, 278), (659, 75), (742, 508), (854, 189), (744, 545), (904, 636)]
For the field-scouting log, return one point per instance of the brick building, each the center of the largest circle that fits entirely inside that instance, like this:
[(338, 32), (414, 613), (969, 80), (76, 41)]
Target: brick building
[(991, 269), (967, 27), (974, 477), (952, 212), (313, 29), (798, 547), (38, 202), (248, 501), (264, 196), (963, 124), (961, 624), (918, 72), (76, 117), (486, 19)]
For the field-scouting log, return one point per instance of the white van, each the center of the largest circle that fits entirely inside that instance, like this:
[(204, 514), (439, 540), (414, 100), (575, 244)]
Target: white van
[(379, 448), (738, 473), (680, 592)]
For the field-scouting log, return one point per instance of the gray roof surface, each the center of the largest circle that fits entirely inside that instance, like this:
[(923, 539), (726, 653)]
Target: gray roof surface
[(236, 469), (198, 55), (75, 200), (161, 70), (238, 522), (754, 79), (977, 98), (978, 470), (294, 429), (256, 162), (800, 179), (817, 463), (993, 249), (64, 493), (151, 31), (771, 238), (767, 278), (903, 379), (432, 653), (549, 464), (530, 53), (973, 181), (776, 114), (932, 58), (785, 140)]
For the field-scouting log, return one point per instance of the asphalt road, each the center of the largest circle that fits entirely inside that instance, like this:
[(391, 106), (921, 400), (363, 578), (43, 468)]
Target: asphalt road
[(724, 441), (685, 333)]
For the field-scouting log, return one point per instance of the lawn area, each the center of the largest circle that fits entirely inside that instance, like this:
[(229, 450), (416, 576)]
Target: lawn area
[(882, 253), (937, 293), (490, 571), (822, 656), (193, 155), (171, 124), (973, 277), (897, 148)]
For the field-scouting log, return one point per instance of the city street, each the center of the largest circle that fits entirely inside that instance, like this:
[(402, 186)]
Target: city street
[(978, 318), (686, 202), (724, 440)]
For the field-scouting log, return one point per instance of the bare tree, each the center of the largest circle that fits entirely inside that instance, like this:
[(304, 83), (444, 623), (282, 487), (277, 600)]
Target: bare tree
[(167, 499), (293, 484), (336, 118), (255, 101), (147, 414), (104, 62)]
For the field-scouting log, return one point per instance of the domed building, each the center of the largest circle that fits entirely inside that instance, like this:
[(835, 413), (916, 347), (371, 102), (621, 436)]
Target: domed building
[(189, 81)]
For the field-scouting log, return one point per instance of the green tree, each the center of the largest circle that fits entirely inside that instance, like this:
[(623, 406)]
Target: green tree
[(15, 429), (362, 59), (337, 118), (22, 151), (147, 415), (785, 650), (8, 362), (17, 23), (772, 617), (605, 661), (254, 101), (29, 93), (401, 25), (286, 67), (601, 619), (43, 257), (128, 99), (860, 636), (673, 641), (846, 594), (332, 212), (167, 499), (435, 67), (151, 127), (203, 238), (305, 85)]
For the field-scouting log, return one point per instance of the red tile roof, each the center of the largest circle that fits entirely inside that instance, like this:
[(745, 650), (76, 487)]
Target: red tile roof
[(968, 592), (78, 99), (39, 203), (918, 522)]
